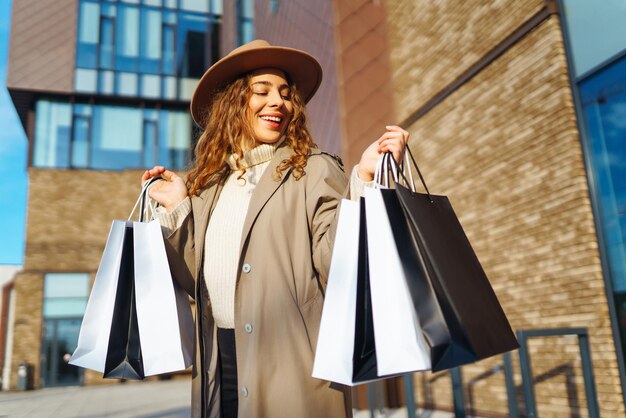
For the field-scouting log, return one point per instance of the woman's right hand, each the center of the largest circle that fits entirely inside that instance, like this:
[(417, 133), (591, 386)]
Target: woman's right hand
[(168, 192)]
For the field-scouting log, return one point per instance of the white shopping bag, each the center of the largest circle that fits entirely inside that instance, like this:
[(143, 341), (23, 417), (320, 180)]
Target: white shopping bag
[(335, 342), (93, 338), (164, 320), (163, 310), (400, 345)]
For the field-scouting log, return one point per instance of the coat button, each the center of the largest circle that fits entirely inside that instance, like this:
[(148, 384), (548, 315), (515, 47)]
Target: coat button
[(246, 268), (244, 391), (248, 328)]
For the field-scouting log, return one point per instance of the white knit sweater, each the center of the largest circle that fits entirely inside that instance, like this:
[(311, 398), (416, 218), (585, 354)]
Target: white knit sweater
[(223, 235)]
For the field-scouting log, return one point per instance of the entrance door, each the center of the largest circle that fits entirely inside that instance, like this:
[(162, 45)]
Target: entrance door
[(60, 337)]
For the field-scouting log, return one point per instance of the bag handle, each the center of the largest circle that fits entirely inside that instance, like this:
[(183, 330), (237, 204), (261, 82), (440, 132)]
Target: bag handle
[(386, 164), (144, 201)]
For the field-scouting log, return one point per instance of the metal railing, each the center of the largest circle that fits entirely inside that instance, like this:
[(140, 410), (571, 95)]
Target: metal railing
[(527, 385)]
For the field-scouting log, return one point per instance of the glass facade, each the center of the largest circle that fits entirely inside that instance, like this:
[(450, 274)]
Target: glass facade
[(153, 49), (596, 31), (108, 137), (596, 43), (603, 99)]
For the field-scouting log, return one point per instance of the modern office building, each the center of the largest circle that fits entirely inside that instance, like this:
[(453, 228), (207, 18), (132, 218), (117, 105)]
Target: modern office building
[(516, 112)]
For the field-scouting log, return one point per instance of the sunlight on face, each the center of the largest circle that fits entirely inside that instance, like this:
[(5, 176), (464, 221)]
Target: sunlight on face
[(270, 107)]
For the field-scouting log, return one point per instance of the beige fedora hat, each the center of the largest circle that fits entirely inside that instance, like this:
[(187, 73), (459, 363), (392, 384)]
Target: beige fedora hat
[(301, 67)]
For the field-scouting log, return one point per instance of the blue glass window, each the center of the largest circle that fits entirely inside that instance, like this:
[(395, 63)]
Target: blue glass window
[(150, 41), (192, 36), (216, 7), (80, 136), (177, 38), (126, 84), (107, 37), (596, 31), (88, 32), (169, 49), (246, 21), (127, 39), (65, 295), (201, 6), (597, 52), (52, 134), (116, 138), (604, 105), (85, 80), (110, 137), (106, 82), (150, 86)]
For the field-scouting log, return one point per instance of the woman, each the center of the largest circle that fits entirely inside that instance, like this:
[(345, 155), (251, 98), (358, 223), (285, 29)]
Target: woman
[(249, 234)]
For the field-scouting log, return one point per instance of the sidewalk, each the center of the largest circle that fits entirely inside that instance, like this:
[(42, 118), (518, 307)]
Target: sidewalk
[(159, 399)]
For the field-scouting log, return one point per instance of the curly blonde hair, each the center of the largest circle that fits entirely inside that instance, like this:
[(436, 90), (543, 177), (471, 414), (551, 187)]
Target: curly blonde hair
[(228, 131)]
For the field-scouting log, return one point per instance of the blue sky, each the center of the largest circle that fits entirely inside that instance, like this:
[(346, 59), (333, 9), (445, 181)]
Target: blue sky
[(13, 146)]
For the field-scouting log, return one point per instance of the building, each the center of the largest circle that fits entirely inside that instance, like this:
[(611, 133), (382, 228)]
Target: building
[(102, 89), (516, 112), (515, 109)]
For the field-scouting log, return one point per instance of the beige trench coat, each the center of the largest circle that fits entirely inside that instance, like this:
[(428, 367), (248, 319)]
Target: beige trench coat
[(284, 261)]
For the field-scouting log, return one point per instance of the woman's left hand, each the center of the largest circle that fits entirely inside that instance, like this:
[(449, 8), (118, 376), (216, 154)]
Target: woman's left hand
[(393, 141)]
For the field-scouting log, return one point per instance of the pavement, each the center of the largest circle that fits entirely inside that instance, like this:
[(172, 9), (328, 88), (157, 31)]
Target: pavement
[(154, 399)]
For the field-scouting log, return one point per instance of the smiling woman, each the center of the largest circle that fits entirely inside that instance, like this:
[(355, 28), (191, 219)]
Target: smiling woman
[(250, 231)]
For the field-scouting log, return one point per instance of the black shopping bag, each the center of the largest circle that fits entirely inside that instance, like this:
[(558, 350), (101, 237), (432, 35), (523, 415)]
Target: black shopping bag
[(461, 318), (123, 359), (364, 357)]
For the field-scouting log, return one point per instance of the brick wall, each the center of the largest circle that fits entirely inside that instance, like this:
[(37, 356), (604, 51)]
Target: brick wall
[(70, 214), (505, 148), (433, 42), (28, 291)]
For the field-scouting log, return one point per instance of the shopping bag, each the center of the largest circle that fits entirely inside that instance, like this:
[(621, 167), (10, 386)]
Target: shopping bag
[(348, 341), (138, 320), (461, 317), (400, 344), (335, 341)]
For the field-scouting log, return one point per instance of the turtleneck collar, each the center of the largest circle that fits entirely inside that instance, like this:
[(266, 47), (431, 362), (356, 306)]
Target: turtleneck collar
[(255, 156)]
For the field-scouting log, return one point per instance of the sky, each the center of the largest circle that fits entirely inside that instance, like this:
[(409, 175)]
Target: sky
[(13, 150)]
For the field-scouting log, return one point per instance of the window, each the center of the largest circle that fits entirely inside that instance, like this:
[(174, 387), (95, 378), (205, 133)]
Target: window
[(65, 295), (121, 41), (127, 39), (597, 57), (109, 137), (151, 48), (596, 31), (52, 134), (88, 28), (245, 9), (116, 140)]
